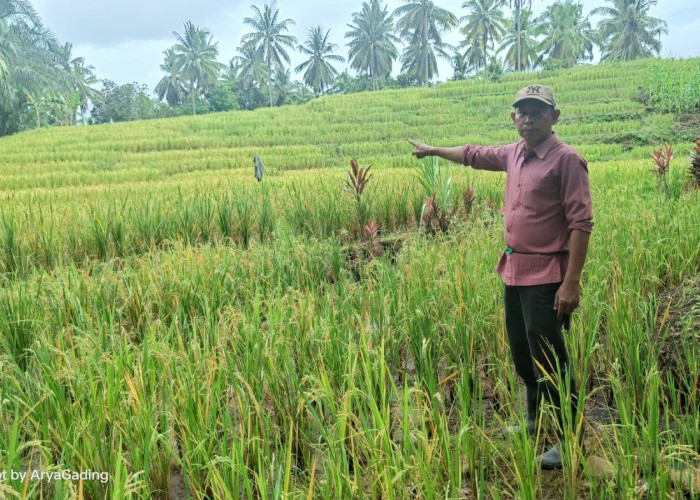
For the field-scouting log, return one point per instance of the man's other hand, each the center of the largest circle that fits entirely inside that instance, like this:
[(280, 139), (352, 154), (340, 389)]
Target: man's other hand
[(567, 299)]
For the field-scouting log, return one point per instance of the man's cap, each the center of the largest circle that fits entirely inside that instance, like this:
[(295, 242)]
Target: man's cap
[(537, 92)]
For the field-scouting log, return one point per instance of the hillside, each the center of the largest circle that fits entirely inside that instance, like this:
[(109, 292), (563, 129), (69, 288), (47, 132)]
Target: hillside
[(600, 116)]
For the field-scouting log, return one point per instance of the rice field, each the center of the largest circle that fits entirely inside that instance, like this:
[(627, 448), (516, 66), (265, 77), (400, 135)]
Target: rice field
[(172, 328)]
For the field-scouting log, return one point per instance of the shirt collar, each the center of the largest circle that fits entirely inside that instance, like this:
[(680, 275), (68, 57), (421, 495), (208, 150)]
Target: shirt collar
[(543, 148)]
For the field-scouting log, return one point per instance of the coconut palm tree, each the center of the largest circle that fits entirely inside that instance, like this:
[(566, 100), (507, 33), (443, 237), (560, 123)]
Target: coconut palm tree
[(27, 66), (19, 26), (520, 41), (421, 65), (518, 23), (420, 24), (568, 35), (460, 65), (283, 86), (170, 87), (77, 76), (484, 26), (269, 38), (249, 76), (249, 66), (475, 57), (628, 32), (195, 59), (372, 41), (319, 73)]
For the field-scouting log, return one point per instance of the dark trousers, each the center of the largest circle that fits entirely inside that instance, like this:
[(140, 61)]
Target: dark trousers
[(537, 343)]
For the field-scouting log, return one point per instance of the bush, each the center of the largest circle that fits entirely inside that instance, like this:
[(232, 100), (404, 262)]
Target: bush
[(694, 169)]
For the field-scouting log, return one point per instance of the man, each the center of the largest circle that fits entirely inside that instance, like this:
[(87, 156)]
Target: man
[(548, 221)]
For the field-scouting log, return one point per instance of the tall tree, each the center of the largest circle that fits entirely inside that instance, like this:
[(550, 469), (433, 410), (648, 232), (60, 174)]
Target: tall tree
[(78, 78), (420, 24), (20, 27), (27, 66), (249, 66), (319, 73), (628, 32), (125, 103), (196, 59), (484, 26), (269, 38), (568, 35), (475, 57), (421, 66), (170, 87), (520, 42), (460, 65), (518, 23), (372, 41), (248, 75)]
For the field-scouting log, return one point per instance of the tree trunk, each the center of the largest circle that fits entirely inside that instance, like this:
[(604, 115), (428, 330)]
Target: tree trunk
[(269, 80), (425, 50), (518, 65), (194, 109)]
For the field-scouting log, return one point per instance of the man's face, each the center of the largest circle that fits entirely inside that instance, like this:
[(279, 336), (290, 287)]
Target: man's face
[(534, 120)]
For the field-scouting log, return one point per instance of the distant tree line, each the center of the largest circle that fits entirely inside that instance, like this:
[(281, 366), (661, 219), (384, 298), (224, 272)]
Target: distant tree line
[(42, 83)]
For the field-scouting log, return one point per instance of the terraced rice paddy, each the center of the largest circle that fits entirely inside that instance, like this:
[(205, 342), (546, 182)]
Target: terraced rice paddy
[(169, 321)]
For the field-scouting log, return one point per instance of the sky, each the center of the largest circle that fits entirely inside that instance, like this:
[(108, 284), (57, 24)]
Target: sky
[(124, 39)]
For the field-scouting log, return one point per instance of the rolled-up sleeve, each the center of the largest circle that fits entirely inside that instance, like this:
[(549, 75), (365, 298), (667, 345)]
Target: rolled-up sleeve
[(576, 194)]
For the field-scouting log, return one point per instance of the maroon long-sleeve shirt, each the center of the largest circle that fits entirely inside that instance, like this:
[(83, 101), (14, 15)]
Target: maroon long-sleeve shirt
[(547, 196)]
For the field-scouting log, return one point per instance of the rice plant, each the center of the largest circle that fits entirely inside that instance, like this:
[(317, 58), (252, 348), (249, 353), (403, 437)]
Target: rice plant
[(187, 331)]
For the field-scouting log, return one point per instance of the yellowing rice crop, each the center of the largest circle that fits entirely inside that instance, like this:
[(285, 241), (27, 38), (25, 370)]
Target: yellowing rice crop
[(169, 321)]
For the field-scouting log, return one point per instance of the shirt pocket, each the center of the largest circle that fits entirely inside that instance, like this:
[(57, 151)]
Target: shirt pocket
[(540, 189)]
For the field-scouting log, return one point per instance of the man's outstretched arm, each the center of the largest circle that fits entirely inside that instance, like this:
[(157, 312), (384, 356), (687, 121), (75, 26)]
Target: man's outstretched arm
[(422, 150)]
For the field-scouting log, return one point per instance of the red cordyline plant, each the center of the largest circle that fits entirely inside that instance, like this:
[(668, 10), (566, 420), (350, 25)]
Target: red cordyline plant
[(370, 230), (435, 217), (662, 157), (357, 180), (695, 163), (469, 199), (355, 184)]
